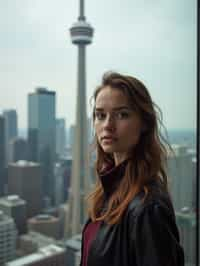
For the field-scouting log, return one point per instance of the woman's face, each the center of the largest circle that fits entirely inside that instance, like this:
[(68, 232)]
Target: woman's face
[(116, 125)]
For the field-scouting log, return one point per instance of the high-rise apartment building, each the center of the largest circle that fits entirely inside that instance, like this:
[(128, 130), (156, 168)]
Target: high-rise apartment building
[(11, 129), (25, 180), (8, 237), (42, 134)]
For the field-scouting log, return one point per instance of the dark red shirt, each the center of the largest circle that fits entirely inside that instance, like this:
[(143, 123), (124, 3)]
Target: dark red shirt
[(88, 237)]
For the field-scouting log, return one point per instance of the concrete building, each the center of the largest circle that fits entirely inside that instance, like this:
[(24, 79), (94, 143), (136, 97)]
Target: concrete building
[(15, 207), (60, 137), (81, 34), (18, 149), (8, 237), (42, 134), (2, 155), (11, 129), (46, 256), (25, 180), (47, 225)]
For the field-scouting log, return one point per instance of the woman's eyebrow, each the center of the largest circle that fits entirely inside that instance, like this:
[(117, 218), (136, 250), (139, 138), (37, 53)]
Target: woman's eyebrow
[(115, 108)]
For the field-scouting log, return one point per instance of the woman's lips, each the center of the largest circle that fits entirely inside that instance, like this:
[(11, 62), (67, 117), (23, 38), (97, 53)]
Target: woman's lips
[(108, 139)]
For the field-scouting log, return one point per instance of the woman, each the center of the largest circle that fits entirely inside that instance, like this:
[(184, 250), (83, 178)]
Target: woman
[(131, 217)]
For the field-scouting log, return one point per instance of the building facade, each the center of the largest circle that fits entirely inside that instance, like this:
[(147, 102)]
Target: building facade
[(42, 134), (25, 180), (8, 237), (11, 129), (15, 207)]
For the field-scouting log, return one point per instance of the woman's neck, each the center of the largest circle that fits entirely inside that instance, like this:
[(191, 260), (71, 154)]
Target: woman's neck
[(119, 158)]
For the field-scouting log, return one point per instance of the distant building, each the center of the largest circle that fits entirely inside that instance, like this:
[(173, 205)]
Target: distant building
[(180, 172), (59, 184), (15, 207), (71, 135), (8, 237), (77, 258), (2, 155), (186, 221), (11, 129), (46, 256), (32, 242), (45, 224), (18, 149), (42, 134), (60, 137), (73, 246), (65, 219), (25, 180)]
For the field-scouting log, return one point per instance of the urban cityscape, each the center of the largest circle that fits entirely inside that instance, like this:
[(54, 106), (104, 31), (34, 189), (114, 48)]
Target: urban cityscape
[(43, 170)]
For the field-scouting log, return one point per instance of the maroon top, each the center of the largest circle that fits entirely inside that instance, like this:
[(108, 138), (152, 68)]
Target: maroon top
[(88, 236), (110, 178)]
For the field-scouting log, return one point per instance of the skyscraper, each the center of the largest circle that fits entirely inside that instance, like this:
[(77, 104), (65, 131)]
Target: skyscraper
[(8, 236), (81, 34), (2, 154), (18, 149), (11, 129), (60, 137), (41, 134), (25, 180), (15, 207)]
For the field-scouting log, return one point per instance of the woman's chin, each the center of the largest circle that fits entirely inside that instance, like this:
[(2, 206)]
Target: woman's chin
[(108, 149)]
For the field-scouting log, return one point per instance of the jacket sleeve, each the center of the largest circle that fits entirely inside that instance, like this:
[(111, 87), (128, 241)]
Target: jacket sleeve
[(155, 238)]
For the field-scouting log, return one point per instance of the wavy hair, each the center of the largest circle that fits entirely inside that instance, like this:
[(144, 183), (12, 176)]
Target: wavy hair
[(148, 162)]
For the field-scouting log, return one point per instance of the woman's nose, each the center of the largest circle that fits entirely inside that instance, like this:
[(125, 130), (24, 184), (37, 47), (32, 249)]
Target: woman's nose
[(109, 122)]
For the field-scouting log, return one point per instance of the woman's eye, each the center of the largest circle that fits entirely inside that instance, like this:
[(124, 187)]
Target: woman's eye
[(122, 115), (100, 116)]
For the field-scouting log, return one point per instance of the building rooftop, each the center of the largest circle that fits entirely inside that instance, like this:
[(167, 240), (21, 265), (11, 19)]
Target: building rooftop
[(24, 163), (42, 90), (39, 239), (43, 253), (74, 242), (12, 200)]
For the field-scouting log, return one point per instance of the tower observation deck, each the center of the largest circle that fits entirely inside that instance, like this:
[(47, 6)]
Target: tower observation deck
[(81, 35), (81, 31)]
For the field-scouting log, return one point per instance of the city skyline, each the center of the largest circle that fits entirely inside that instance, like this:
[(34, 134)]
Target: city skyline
[(150, 41)]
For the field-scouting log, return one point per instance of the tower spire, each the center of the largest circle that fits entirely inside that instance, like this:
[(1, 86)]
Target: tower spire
[(81, 34), (81, 15)]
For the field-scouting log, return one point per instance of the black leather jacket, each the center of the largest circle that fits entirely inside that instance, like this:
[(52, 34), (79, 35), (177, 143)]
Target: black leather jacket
[(146, 236)]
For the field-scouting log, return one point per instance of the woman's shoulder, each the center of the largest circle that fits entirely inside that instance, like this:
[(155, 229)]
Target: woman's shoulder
[(157, 197)]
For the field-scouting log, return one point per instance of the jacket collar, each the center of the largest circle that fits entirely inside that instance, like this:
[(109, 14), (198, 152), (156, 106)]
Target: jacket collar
[(111, 177)]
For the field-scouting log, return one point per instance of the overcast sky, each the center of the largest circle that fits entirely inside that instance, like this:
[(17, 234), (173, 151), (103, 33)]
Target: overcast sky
[(154, 40)]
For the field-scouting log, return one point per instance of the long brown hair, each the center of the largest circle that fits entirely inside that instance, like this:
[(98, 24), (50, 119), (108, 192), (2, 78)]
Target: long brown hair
[(147, 163)]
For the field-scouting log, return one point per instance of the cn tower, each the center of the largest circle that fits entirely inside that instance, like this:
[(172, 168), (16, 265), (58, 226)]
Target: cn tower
[(81, 35)]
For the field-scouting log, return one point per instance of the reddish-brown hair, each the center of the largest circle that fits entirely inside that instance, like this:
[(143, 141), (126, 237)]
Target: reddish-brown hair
[(147, 163)]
